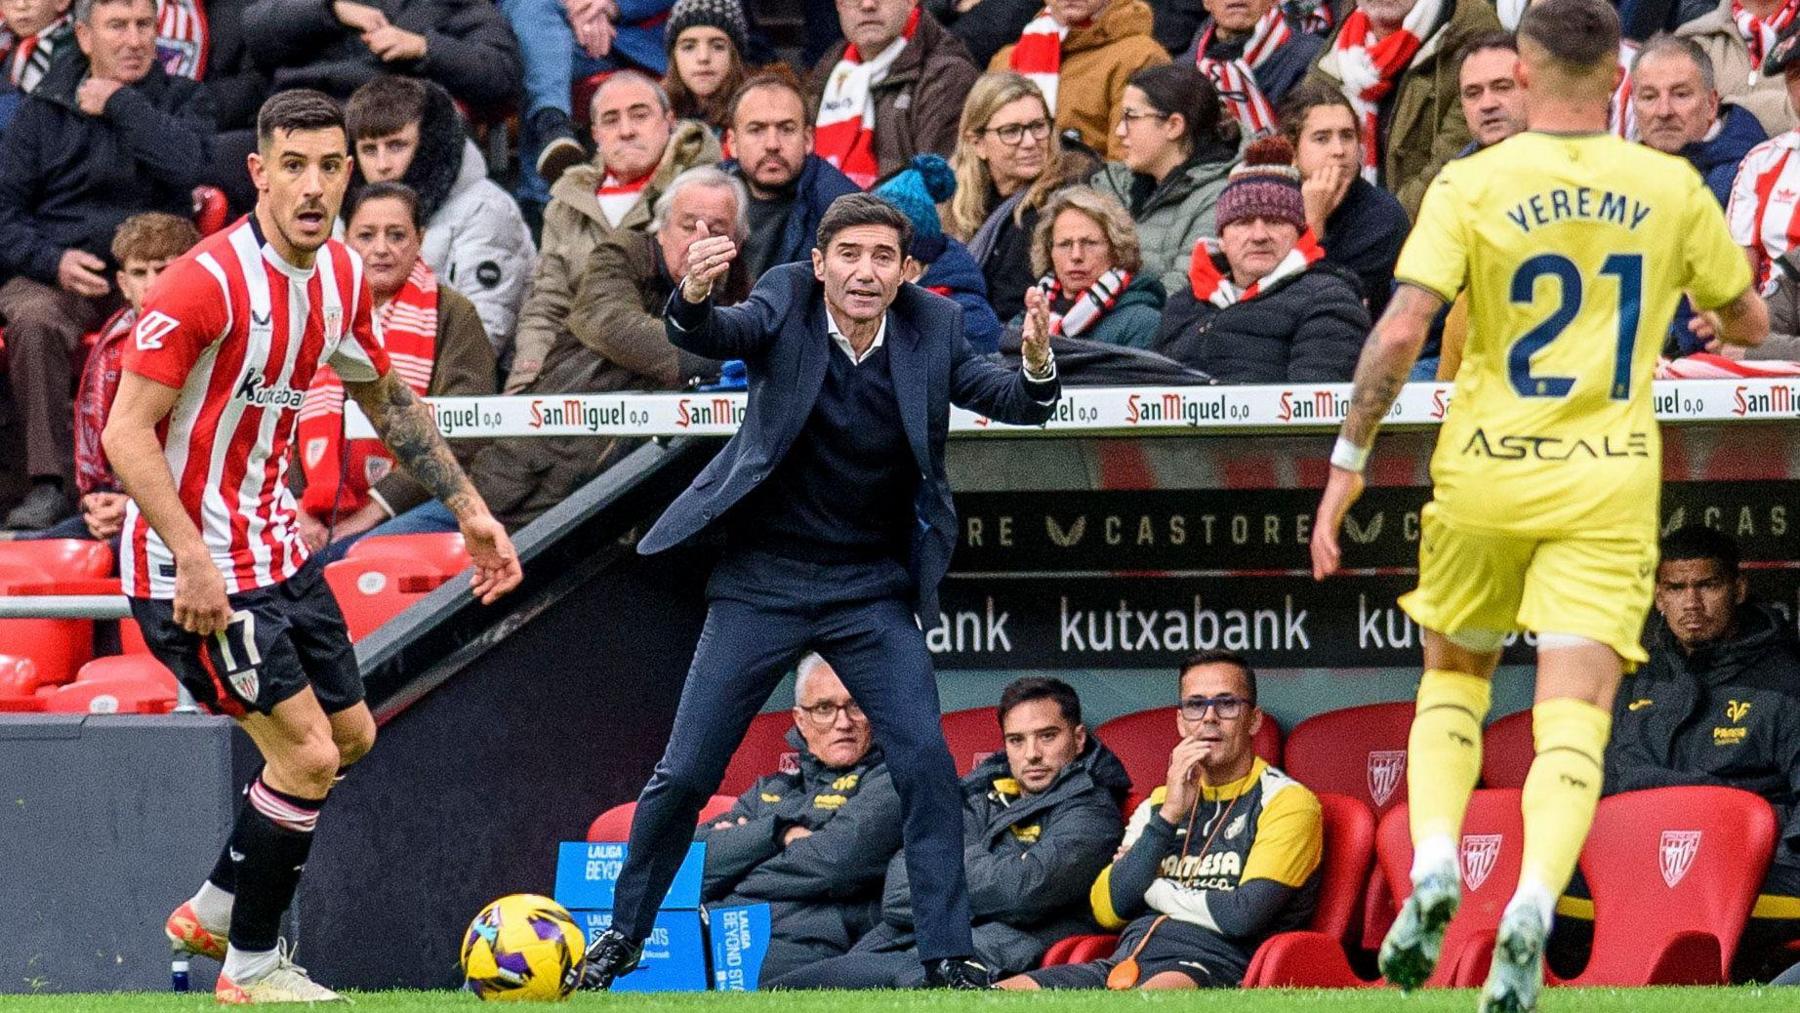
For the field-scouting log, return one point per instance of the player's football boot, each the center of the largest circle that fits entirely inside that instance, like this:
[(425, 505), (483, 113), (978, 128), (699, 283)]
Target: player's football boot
[(958, 974), (1410, 952), (187, 935), (1518, 969), (609, 956), (289, 982)]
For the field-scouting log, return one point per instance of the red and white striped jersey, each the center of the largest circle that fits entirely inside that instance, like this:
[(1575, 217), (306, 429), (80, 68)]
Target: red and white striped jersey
[(240, 332), (1763, 200)]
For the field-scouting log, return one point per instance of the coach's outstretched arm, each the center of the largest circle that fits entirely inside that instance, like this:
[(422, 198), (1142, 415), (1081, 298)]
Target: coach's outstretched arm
[(406, 426), (1024, 398), (693, 324), (136, 454), (1387, 360)]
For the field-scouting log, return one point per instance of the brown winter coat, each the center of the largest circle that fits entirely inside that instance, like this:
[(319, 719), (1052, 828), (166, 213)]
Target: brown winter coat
[(1422, 120), (1096, 60), (573, 226), (1718, 34), (919, 103)]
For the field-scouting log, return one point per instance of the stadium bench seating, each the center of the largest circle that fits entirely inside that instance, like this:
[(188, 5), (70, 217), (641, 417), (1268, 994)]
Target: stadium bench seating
[(1507, 751), (1286, 958), (764, 750), (444, 552), (373, 589), (123, 684), (1143, 741), (615, 824), (19, 683), (1493, 842), (60, 558), (973, 735), (1079, 949), (1673, 873)]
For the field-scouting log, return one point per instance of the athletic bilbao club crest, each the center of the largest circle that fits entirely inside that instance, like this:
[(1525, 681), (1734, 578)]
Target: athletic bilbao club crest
[(1677, 854), (1479, 853), (315, 451), (1386, 767), (789, 763), (244, 685)]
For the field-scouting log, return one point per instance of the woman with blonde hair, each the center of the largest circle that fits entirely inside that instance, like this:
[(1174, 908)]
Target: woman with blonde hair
[(1085, 250), (1008, 161)]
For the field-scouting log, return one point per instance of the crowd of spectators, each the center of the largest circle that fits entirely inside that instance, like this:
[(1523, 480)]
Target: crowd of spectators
[(1219, 186)]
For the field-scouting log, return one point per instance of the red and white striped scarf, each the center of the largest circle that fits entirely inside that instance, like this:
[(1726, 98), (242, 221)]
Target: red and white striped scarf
[(618, 198), (1209, 275), (1369, 70), (1038, 55), (1621, 116), (1088, 307), (409, 333), (1236, 79), (1760, 33), (28, 59), (845, 134), (1707, 366), (182, 38)]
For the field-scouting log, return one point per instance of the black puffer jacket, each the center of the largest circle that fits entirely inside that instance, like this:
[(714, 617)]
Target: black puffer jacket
[(1306, 329), (1727, 714)]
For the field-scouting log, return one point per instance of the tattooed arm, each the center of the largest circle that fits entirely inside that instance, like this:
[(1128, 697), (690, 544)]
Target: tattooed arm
[(1387, 359), (406, 426)]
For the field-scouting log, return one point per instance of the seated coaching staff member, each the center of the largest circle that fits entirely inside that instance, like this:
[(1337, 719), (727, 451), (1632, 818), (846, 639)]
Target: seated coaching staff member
[(838, 525)]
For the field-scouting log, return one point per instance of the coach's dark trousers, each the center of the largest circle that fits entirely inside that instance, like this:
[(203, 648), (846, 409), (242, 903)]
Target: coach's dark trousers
[(765, 612)]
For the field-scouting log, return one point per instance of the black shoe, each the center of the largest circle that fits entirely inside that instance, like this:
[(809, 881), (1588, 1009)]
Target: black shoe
[(610, 955), (562, 150), (958, 973), (46, 505)]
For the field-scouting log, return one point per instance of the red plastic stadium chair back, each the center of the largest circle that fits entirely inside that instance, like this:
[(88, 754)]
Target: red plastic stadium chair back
[(973, 735), (59, 647), (211, 209), (615, 824), (1507, 751), (1493, 841), (764, 750), (1357, 751), (59, 558), (1315, 957), (442, 551), (370, 591), (1142, 742), (19, 685), (1673, 873), (128, 668)]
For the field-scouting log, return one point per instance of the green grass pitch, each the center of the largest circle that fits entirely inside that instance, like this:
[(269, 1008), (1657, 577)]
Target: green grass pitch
[(1656, 1000)]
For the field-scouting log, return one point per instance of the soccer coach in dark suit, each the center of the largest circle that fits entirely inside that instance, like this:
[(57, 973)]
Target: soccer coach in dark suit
[(838, 525)]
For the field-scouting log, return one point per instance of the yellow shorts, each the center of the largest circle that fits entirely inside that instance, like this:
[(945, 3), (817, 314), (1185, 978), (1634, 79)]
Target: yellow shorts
[(1594, 587)]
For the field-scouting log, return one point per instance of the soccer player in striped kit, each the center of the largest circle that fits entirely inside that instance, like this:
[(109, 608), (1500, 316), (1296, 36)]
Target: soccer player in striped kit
[(211, 554)]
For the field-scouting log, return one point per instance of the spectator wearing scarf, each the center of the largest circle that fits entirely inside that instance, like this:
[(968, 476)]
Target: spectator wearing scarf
[(1085, 251), (1080, 53), (1395, 60), (1254, 53), (1261, 304), (1737, 36)]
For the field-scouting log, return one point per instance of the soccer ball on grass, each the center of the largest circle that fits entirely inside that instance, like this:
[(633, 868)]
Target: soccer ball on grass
[(522, 948)]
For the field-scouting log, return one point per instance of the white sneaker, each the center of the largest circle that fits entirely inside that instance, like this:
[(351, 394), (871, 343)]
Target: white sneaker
[(287, 983)]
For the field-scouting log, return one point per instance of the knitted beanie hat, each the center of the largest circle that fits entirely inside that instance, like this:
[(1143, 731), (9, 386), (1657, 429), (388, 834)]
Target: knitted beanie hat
[(725, 15), (917, 190), (1266, 185)]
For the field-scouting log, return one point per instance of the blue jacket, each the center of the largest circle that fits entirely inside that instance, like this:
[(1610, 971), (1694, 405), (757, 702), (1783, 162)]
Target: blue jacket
[(641, 40), (954, 273), (780, 334), (818, 185), (1718, 158)]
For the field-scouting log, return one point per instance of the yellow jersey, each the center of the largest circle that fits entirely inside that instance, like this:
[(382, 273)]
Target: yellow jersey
[(1575, 250)]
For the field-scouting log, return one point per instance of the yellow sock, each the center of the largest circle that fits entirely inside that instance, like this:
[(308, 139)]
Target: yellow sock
[(1561, 791), (1443, 761)]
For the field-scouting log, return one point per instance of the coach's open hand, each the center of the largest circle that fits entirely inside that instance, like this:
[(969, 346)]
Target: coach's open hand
[(496, 562), (1341, 490), (708, 260), (201, 607), (1034, 340)]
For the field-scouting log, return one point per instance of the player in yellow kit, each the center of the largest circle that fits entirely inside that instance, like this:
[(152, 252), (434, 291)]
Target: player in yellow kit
[(1574, 247)]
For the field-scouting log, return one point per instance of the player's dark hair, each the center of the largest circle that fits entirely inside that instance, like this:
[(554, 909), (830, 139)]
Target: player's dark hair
[(388, 190), (1038, 687), (1180, 89), (384, 106), (1481, 44), (1219, 657), (778, 77), (1579, 34), (853, 209), (153, 235), (1664, 44), (1697, 541), (1303, 99), (301, 109)]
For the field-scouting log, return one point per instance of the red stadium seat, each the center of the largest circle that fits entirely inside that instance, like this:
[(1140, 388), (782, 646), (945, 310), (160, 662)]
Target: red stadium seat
[(973, 736), (59, 646), (134, 694), (211, 209), (19, 684), (1673, 873), (1298, 958), (1143, 741), (60, 557), (1080, 949), (444, 552), (1507, 751), (765, 749), (615, 824), (372, 590), (1357, 751), (1493, 841), (127, 667)]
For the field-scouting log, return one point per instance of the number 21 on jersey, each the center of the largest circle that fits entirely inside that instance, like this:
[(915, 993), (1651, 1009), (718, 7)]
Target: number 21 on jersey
[(1627, 271)]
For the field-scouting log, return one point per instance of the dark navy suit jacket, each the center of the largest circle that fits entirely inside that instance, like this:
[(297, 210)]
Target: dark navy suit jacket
[(780, 334)]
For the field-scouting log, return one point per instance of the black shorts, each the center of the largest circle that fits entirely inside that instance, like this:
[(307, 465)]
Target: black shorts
[(1176, 946), (282, 638)]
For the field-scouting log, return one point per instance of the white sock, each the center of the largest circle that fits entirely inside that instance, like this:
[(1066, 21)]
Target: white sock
[(1434, 856), (246, 966), (212, 905), (1542, 897)]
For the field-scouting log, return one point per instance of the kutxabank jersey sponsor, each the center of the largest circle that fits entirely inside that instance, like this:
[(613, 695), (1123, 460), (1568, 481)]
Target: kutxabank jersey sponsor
[(1147, 410)]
